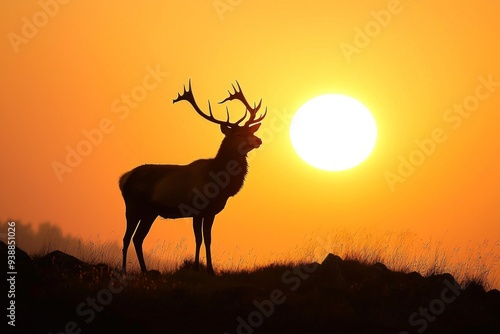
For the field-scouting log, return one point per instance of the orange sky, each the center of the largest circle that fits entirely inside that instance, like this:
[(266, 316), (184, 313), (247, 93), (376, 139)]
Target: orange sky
[(68, 68)]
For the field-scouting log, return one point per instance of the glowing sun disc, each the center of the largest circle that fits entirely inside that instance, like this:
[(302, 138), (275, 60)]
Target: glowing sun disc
[(333, 132)]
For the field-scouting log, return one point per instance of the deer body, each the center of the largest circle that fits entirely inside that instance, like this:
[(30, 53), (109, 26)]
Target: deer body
[(199, 190), (174, 191)]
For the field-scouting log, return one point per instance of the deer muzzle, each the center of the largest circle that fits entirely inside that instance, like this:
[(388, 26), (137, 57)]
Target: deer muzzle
[(255, 142)]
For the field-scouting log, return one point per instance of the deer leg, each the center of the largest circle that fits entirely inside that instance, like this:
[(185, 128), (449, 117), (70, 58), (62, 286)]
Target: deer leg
[(207, 235), (197, 222), (132, 222), (140, 234)]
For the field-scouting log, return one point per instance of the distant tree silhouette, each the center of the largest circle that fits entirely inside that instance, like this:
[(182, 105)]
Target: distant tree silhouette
[(49, 237), (199, 190)]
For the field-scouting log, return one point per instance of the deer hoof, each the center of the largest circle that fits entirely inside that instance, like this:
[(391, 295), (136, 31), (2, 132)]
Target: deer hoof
[(153, 274)]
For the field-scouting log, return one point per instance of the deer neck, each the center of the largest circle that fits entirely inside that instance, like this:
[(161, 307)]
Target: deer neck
[(233, 164)]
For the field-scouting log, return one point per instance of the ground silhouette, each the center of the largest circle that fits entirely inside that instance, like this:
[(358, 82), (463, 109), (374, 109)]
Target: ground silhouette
[(58, 293)]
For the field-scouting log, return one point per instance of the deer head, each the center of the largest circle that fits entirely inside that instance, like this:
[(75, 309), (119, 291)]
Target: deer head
[(240, 138)]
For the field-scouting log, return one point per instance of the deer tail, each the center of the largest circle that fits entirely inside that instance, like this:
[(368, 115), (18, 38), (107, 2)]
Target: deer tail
[(123, 180)]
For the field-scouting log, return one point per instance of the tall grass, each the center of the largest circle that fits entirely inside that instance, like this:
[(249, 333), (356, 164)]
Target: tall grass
[(404, 251), (400, 251)]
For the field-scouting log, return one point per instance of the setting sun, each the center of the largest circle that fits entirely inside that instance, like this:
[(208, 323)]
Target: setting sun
[(333, 132)]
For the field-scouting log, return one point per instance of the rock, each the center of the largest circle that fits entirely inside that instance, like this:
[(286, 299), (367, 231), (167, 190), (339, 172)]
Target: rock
[(331, 259), (376, 280), (331, 266), (22, 259), (329, 277), (22, 265), (153, 274), (62, 262), (380, 267), (492, 301), (436, 283), (59, 270), (474, 288), (414, 276)]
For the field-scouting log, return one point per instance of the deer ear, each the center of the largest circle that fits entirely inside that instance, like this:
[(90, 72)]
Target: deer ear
[(225, 129), (254, 128)]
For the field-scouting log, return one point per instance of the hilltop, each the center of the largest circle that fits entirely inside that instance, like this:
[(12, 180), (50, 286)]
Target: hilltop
[(58, 293)]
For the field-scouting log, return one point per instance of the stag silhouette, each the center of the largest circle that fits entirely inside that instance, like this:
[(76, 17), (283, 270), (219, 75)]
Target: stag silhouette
[(199, 190)]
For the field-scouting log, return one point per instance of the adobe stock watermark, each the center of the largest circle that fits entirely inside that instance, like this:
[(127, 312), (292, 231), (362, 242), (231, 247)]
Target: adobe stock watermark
[(453, 118), (223, 7), (363, 36), (436, 307), (88, 308), (11, 273), (31, 26), (121, 108)]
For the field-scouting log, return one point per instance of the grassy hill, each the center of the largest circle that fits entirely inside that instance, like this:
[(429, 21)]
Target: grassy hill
[(58, 293)]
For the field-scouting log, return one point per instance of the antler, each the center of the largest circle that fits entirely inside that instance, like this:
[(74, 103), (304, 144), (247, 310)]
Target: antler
[(188, 96), (238, 95)]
